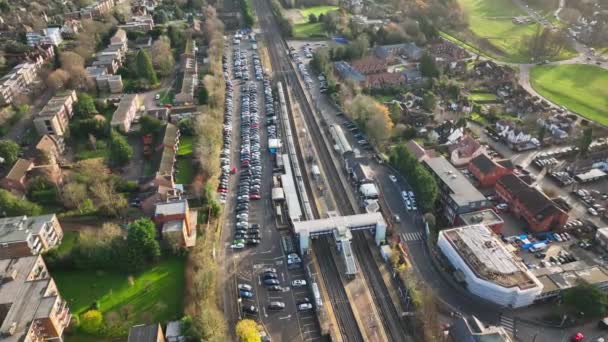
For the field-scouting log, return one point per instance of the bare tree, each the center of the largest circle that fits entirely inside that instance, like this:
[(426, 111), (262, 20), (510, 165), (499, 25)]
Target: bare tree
[(57, 79), (162, 56)]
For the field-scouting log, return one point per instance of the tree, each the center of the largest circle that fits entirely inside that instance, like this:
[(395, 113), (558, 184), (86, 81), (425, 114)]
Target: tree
[(9, 151), (57, 79), (429, 101), (312, 18), (85, 106), (145, 69), (91, 321), (210, 324), (142, 243), (10, 205), (585, 141), (203, 95), (162, 56), (74, 196), (120, 151), (70, 60), (428, 68), (426, 188), (544, 43), (380, 125), (186, 127), (149, 125), (586, 299), (160, 17), (247, 330)]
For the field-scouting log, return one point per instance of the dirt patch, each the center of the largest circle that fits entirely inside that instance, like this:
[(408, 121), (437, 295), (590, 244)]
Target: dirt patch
[(294, 15)]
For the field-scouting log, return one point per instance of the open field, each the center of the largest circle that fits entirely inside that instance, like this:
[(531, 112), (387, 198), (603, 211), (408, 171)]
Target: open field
[(491, 21), (302, 28), (316, 10), (580, 88), (308, 30), (154, 295), (185, 171)]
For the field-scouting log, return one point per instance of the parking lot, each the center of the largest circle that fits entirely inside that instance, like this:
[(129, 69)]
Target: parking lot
[(264, 284)]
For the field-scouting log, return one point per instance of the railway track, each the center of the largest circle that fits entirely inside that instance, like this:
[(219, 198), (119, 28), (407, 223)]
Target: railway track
[(388, 313)]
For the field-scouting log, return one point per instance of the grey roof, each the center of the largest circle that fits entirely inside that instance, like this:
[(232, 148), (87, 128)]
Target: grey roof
[(172, 207), (19, 228), (346, 71), (144, 333), (461, 190)]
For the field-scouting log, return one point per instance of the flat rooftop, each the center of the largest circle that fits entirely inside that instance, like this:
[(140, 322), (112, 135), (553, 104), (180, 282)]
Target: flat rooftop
[(486, 217), (462, 191), (569, 275), (19, 228), (330, 223), (488, 257)]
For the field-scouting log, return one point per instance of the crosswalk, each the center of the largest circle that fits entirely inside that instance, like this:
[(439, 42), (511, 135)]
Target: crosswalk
[(411, 236), (507, 323)]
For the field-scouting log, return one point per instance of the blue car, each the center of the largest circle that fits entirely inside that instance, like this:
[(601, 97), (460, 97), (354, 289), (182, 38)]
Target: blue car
[(245, 294)]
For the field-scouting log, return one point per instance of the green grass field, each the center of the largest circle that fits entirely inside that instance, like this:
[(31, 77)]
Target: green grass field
[(155, 294), (316, 10), (492, 20), (303, 29), (185, 171), (185, 146), (580, 88), (482, 97), (84, 150), (67, 243)]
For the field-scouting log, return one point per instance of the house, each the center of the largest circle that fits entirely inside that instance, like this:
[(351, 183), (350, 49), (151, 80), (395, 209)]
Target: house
[(515, 137), (418, 151), (17, 81), (51, 35), (530, 204), (487, 171), (125, 113), (50, 148), (31, 307), (369, 65), (346, 72), (55, 116), (456, 193), (15, 180), (23, 236), (385, 80), (176, 221), (463, 151), (412, 75), (446, 133), (146, 333)]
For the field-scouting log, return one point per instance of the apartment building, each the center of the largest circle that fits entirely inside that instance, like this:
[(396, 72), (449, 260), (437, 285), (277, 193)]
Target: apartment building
[(23, 236), (106, 83), (55, 116), (15, 180), (456, 194), (164, 175), (144, 23), (125, 113), (98, 9), (51, 35), (17, 81), (190, 79), (487, 171)]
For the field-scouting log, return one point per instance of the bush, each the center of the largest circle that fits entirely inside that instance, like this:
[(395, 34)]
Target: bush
[(92, 322), (13, 206), (126, 186)]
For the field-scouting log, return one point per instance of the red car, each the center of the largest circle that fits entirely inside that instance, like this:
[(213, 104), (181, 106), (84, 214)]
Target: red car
[(222, 190), (233, 170), (577, 337), (255, 197)]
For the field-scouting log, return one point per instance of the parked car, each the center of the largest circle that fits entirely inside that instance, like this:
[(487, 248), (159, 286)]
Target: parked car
[(276, 306), (298, 283)]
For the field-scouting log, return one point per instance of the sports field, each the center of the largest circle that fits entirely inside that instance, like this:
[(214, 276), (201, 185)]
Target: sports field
[(582, 89)]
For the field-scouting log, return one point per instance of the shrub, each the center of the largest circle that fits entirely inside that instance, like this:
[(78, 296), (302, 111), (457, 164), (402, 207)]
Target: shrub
[(92, 322)]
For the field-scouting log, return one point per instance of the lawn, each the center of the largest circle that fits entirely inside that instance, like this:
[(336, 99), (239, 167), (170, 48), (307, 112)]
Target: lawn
[(84, 150), (308, 30), (384, 98), (67, 243), (185, 171), (580, 88), (185, 146), (482, 97), (492, 20), (155, 294), (316, 10)]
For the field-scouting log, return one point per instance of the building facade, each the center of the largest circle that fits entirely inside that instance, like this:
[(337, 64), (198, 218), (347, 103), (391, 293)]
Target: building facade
[(125, 113), (54, 118), (24, 236), (487, 172)]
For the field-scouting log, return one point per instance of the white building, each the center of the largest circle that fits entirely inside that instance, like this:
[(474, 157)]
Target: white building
[(51, 35), (490, 270)]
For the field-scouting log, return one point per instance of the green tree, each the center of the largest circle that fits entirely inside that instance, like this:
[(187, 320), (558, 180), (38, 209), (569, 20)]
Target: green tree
[(85, 106), (247, 330), (429, 101), (312, 18), (10, 205), (120, 152), (9, 151), (541, 132), (160, 17), (186, 127), (150, 125), (428, 68), (586, 299), (203, 95), (585, 140), (91, 322), (425, 187), (145, 69), (142, 243)]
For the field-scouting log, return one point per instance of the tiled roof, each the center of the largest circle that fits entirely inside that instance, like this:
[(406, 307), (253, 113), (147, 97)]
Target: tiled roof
[(484, 163), (18, 171)]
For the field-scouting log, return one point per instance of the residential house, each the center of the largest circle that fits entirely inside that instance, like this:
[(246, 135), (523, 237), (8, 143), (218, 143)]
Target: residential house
[(513, 136), (50, 148), (448, 51), (530, 204), (23, 236), (125, 113), (143, 23), (418, 151), (55, 116), (31, 307), (463, 151), (176, 221), (346, 72), (51, 35), (146, 333), (15, 180), (369, 65), (17, 81), (457, 195), (446, 133), (385, 80), (412, 75), (487, 171), (119, 39)]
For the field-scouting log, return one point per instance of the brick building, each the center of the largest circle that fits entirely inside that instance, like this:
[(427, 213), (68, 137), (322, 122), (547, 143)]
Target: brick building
[(530, 204), (23, 236), (176, 221), (487, 171)]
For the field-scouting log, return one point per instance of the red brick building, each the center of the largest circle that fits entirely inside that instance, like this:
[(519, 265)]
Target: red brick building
[(487, 171), (176, 221), (530, 204)]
